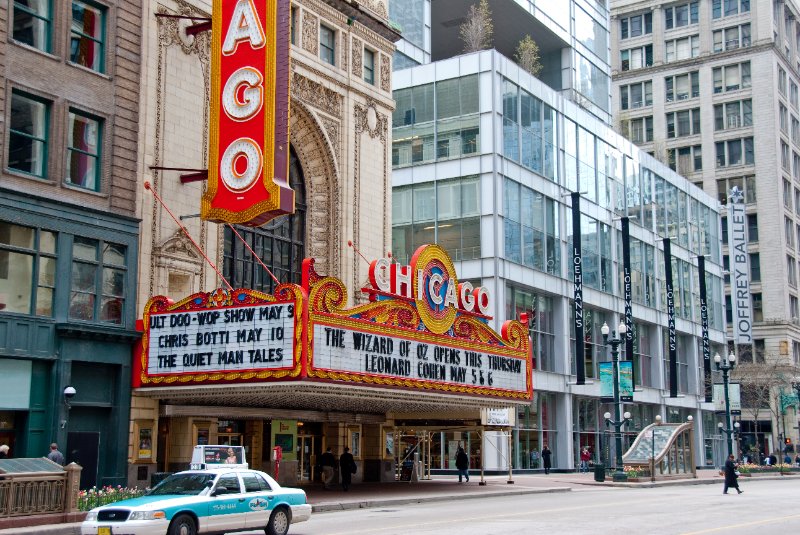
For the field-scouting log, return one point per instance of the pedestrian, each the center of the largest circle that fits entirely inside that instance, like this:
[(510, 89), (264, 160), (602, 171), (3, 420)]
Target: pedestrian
[(328, 462), (347, 467), (731, 476), (462, 464), (546, 453), (55, 455), (4, 451), (585, 456), (797, 460)]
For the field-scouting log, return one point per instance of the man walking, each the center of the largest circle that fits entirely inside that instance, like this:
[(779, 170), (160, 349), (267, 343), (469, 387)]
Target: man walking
[(55, 455), (731, 478), (462, 464), (347, 467), (328, 463)]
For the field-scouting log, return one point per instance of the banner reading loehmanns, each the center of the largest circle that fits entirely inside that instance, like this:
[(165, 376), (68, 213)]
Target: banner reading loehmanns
[(248, 173), (421, 330), (237, 335)]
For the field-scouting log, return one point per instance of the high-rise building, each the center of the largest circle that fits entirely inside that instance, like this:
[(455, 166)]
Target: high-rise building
[(485, 157), (710, 88)]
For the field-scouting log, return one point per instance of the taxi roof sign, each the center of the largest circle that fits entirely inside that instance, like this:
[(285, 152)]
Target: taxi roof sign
[(218, 456)]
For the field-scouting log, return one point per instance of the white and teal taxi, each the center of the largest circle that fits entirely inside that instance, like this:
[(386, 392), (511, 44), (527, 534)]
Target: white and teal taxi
[(213, 499)]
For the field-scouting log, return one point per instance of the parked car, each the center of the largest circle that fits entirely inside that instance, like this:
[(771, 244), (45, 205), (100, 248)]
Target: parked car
[(215, 500)]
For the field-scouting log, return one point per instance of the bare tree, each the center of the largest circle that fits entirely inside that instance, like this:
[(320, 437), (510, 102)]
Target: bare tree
[(762, 385), (527, 55), (476, 31)]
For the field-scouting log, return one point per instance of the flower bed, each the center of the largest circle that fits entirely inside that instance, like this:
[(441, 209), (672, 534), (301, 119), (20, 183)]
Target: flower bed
[(750, 468), (94, 497)]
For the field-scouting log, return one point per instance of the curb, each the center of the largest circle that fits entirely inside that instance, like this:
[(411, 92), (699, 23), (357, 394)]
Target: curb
[(345, 506)]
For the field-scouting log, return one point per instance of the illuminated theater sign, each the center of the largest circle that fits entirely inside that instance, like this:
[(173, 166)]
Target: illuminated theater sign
[(420, 330), (248, 175)]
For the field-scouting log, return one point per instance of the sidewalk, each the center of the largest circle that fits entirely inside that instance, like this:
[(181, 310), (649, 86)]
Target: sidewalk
[(444, 488)]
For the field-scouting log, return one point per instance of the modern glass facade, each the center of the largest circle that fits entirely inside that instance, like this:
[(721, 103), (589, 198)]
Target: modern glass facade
[(502, 211)]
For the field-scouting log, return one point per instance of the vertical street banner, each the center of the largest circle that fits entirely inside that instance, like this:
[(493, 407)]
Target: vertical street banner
[(628, 293), (248, 169), (739, 268), (625, 376), (672, 338), (707, 384), (577, 266)]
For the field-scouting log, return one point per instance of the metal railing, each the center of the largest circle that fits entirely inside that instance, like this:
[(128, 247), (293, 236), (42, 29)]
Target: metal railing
[(40, 492)]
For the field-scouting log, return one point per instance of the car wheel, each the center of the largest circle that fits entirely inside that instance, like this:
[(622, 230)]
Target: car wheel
[(278, 522), (183, 525)]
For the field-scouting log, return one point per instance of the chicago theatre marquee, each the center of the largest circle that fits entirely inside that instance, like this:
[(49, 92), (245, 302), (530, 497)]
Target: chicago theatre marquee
[(301, 370)]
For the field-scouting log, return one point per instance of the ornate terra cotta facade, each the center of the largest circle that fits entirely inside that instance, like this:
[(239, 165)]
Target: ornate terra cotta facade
[(339, 130)]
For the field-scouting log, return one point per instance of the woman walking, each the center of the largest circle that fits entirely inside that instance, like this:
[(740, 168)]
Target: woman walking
[(731, 478)]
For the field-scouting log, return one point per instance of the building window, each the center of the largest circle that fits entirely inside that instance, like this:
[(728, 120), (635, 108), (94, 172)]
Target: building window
[(369, 66), (732, 115), (793, 310), (747, 184), (731, 77), (32, 23), (755, 267), (791, 271), (795, 133), (683, 123), (787, 194), (752, 228), (541, 324), (327, 44), (28, 125), (97, 288), (785, 159), (685, 160), (681, 15), (638, 130), (734, 152), (293, 12), (87, 35), (683, 48), (280, 245), (83, 151), (636, 25), (793, 94), (531, 228), (682, 86), (732, 38), (758, 307), (27, 269), (636, 58), (781, 81), (636, 95), (731, 7)]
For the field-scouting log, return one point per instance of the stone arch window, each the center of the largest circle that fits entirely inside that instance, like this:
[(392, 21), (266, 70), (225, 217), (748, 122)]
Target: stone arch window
[(279, 243)]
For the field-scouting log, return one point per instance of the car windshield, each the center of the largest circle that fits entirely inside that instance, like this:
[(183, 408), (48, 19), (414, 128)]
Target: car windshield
[(189, 484)]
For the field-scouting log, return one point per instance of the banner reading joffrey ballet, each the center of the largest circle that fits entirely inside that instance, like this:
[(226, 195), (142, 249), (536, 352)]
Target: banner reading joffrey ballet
[(248, 173), (739, 268)]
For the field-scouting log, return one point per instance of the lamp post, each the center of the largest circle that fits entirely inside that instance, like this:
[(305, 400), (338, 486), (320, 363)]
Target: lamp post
[(725, 367), (619, 474), (653, 446)]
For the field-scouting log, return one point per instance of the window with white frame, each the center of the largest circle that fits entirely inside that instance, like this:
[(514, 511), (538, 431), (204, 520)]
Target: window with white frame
[(795, 130), (787, 199), (783, 118), (727, 8), (682, 86), (791, 271), (685, 160), (785, 159), (683, 48), (636, 58), (683, 123), (746, 184), (736, 114), (636, 95), (732, 38), (793, 94), (734, 152), (731, 77), (681, 15), (635, 25), (327, 44), (782, 81), (638, 130)]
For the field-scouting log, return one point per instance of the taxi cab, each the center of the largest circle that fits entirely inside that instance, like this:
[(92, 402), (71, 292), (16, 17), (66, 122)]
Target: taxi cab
[(218, 495)]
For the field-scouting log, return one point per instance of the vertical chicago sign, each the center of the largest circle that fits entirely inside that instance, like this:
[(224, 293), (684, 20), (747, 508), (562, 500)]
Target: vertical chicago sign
[(248, 180)]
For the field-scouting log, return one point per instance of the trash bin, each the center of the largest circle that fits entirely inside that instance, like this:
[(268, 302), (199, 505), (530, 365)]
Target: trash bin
[(599, 472)]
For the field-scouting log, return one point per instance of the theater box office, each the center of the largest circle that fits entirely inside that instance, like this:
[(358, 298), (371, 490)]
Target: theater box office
[(299, 370)]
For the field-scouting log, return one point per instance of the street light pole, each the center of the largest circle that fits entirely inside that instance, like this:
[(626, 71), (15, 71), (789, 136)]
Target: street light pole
[(725, 367), (619, 474)]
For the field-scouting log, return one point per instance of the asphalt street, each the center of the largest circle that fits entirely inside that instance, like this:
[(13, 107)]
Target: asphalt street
[(765, 507)]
